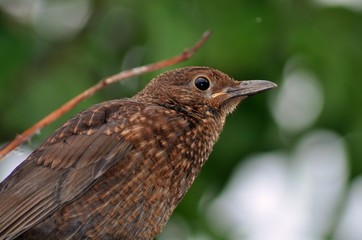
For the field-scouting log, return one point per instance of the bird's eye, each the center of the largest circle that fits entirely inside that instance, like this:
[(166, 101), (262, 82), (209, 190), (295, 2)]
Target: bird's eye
[(202, 83)]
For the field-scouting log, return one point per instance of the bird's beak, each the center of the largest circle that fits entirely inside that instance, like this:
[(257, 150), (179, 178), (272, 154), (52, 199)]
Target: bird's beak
[(248, 88)]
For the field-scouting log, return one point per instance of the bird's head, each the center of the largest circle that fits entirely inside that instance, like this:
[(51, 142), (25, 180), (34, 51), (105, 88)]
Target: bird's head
[(200, 91)]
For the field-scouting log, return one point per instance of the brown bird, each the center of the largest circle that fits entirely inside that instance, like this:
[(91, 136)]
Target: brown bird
[(118, 169)]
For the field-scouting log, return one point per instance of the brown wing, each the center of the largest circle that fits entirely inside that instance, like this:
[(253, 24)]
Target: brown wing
[(61, 169)]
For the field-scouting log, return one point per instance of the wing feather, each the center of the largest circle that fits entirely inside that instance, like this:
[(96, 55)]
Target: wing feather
[(61, 169)]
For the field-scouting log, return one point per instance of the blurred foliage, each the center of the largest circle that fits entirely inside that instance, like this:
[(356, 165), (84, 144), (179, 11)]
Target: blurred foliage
[(251, 40)]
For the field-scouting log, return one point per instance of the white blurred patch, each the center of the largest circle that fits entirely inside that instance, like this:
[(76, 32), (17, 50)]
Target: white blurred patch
[(256, 191), (320, 164), (21, 10), (349, 227), (176, 228), (12, 160), (271, 197), (350, 4), (51, 19), (298, 102), (258, 19)]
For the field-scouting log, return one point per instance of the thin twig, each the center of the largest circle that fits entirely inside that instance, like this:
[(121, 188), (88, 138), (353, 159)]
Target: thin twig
[(21, 138)]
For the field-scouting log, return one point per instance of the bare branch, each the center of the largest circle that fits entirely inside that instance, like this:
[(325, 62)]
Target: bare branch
[(21, 138)]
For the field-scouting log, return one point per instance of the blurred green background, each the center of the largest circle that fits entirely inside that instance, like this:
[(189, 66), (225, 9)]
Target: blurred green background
[(288, 164)]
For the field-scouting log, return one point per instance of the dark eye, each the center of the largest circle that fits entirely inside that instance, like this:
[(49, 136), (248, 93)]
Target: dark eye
[(202, 83)]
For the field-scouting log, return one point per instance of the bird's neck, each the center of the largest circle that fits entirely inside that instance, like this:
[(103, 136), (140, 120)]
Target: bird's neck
[(196, 144)]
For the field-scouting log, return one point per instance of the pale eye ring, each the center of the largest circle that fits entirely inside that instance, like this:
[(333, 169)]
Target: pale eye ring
[(202, 83)]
